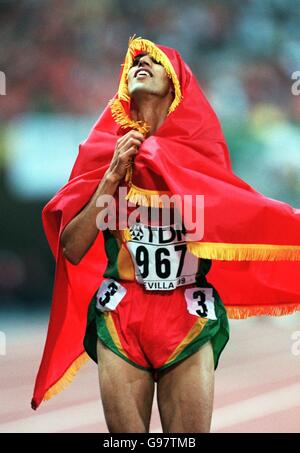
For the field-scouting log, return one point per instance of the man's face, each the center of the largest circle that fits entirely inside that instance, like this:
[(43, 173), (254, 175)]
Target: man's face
[(148, 76)]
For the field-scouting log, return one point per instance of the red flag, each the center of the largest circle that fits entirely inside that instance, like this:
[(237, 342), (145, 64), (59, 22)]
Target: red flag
[(253, 240)]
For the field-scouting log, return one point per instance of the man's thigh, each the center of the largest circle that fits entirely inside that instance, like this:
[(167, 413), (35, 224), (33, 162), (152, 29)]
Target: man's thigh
[(126, 392), (185, 393)]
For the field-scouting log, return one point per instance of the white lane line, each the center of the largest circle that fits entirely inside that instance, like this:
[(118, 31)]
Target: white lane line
[(259, 406), (57, 420), (90, 413)]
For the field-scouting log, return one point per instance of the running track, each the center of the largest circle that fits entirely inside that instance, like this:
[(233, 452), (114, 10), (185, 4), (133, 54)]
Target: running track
[(257, 387)]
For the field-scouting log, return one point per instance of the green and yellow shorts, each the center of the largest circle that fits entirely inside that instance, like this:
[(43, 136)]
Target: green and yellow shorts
[(155, 329)]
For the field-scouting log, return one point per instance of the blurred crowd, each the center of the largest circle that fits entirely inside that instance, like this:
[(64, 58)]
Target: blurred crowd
[(64, 56)]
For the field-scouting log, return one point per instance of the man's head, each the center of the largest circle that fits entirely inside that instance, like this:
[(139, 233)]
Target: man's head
[(157, 90), (147, 76)]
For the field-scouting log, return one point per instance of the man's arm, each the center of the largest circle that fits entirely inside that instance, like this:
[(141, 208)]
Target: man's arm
[(81, 231)]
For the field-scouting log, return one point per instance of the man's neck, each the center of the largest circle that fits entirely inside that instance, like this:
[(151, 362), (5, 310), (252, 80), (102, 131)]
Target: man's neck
[(151, 109)]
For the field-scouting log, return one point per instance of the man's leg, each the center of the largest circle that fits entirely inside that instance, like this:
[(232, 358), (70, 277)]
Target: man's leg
[(185, 393), (126, 392)]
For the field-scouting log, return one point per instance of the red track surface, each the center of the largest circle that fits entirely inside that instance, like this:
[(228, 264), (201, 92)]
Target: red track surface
[(257, 383)]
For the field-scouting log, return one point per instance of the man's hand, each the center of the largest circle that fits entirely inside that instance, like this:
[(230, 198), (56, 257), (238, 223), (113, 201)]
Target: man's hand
[(125, 151)]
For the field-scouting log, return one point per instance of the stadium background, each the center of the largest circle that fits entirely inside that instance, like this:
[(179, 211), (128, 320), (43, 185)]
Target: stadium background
[(62, 60)]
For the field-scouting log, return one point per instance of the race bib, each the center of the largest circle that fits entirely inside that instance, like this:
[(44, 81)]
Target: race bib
[(200, 302), (160, 257), (109, 295)]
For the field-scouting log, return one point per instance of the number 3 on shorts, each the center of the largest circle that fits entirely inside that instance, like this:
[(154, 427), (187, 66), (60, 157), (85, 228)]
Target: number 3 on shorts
[(200, 302), (109, 295)]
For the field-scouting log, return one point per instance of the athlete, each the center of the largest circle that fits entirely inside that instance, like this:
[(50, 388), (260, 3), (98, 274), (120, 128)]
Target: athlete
[(153, 329), (148, 300)]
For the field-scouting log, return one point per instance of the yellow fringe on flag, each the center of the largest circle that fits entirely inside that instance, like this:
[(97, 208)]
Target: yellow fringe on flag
[(128, 176), (121, 117), (146, 197), (126, 236), (67, 377), (244, 252), (240, 312), (117, 109)]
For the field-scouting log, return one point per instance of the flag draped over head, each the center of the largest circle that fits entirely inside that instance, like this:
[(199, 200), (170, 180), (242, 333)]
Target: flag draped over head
[(253, 241)]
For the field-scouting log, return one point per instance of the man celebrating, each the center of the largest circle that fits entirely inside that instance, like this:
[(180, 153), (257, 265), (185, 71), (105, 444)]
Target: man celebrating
[(153, 316)]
